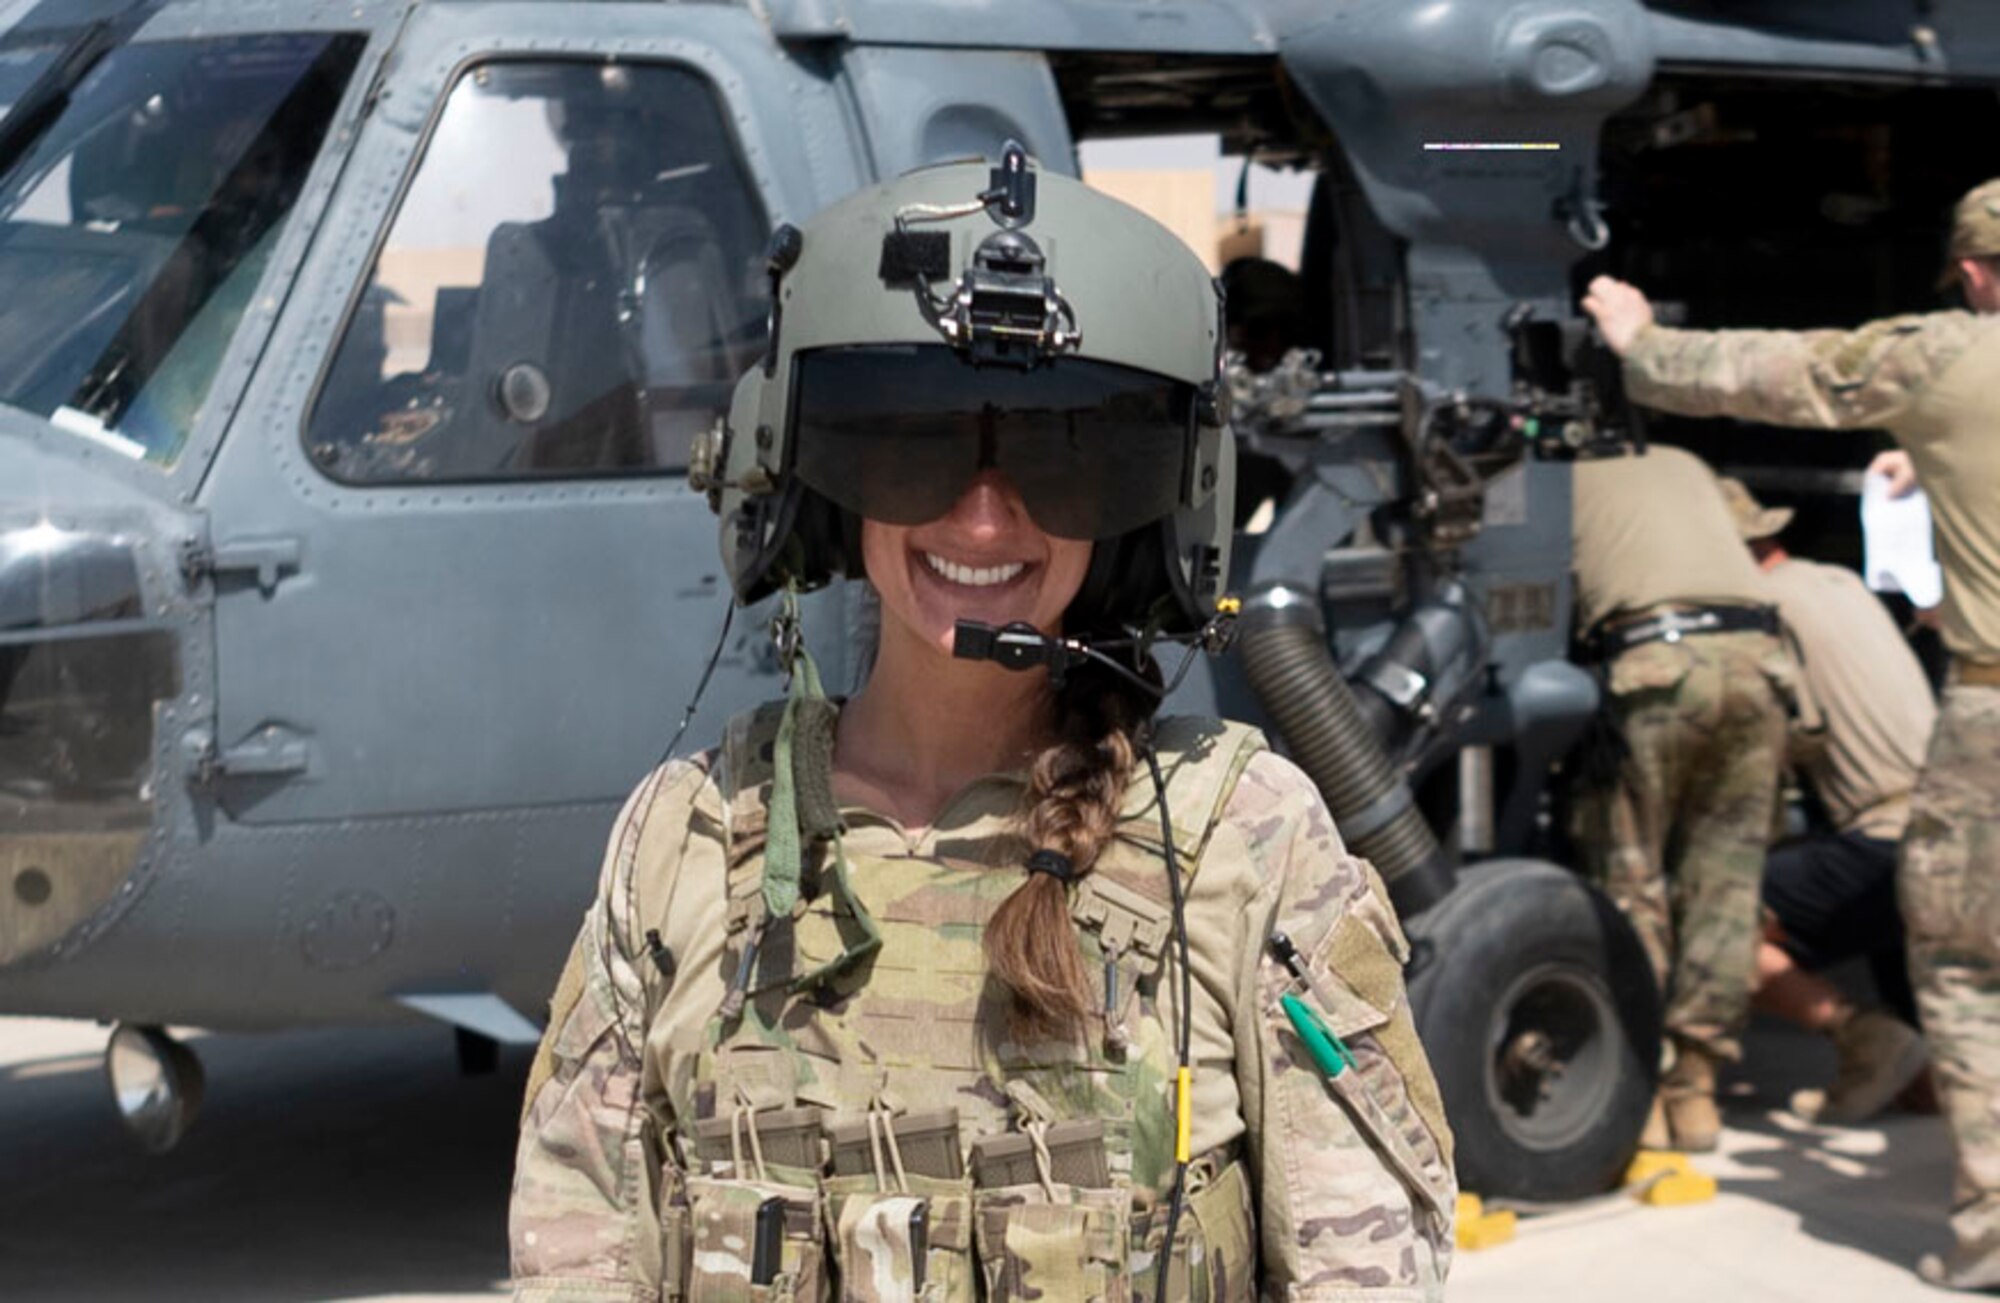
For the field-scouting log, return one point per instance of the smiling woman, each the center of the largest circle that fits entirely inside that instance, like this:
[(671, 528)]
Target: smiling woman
[(986, 983), (984, 559)]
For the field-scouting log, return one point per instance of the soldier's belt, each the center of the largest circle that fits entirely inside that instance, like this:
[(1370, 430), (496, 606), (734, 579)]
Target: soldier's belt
[(1676, 623)]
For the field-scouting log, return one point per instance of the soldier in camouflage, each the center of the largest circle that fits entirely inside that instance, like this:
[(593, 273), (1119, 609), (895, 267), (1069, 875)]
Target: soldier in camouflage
[(946, 992), (1932, 381), (1830, 895), (1675, 826)]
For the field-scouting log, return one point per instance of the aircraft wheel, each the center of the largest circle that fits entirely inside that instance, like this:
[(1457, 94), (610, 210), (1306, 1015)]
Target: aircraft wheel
[(1538, 1009), (478, 1056)]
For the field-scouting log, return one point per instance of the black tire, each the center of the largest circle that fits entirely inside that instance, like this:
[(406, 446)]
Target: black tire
[(478, 1056), (1539, 1012)]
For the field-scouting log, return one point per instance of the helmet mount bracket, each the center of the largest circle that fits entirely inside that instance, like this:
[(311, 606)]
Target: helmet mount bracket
[(1010, 188), (1005, 307)]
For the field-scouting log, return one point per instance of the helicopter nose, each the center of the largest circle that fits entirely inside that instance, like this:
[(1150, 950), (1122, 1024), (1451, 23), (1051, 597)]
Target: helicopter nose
[(85, 662)]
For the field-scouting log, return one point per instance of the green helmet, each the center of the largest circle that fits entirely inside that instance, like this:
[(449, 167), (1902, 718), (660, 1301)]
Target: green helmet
[(971, 316)]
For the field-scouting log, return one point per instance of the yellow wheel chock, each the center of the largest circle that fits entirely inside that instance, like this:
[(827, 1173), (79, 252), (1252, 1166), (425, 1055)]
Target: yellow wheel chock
[(1479, 1229), (1666, 1179), (1657, 1178)]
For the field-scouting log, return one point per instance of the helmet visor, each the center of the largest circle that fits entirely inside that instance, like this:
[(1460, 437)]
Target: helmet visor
[(895, 433)]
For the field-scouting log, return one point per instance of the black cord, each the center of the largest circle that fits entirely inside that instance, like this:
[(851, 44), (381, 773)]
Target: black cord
[(1137, 680), (1186, 1031), (639, 816), (1181, 670), (701, 688)]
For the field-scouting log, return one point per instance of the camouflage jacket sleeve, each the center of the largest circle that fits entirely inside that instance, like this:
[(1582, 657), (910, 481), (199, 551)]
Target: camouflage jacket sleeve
[(1816, 379), (1354, 1178), (583, 1223)]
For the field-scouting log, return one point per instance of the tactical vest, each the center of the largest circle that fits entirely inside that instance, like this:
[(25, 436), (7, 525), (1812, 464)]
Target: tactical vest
[(865, 1127)]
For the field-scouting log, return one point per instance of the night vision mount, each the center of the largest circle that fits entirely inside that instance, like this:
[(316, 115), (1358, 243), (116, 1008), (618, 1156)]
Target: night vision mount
[(1005, 307)]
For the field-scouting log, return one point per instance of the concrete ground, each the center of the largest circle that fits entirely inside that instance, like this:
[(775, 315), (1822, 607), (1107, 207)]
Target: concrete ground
[(348, 1166), (1804, 1214), (324, 1166)]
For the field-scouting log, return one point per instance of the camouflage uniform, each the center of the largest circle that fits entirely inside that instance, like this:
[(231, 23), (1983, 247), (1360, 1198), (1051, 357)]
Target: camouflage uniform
[(1931, 381), (1676, 832), (638, 1161), (1678, 841), (1928, 380), (1950, 896)]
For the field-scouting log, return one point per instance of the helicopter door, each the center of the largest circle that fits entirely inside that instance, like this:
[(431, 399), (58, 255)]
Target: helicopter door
[(504, 592)]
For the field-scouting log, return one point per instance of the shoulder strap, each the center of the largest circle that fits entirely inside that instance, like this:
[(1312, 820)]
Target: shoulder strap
[(747, 765), (748, 762), (755, 743), (647, 896), (1126, 896), (1201, 760)]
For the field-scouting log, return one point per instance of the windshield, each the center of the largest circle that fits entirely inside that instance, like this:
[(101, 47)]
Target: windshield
[(139, 222), (19, 66)]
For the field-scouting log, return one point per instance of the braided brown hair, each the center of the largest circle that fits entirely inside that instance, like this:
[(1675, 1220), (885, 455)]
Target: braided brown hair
[(1076, 789)]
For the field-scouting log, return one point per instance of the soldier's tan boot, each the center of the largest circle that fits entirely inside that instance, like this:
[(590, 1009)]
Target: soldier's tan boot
[(1973, 1265), (1974, 1273), (1657, 1135), (1688, 1093), (1880, 1055)]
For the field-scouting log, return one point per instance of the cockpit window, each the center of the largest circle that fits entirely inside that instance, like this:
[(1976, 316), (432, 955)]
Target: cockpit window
[(139, 221), (571, 286), (20, 65)]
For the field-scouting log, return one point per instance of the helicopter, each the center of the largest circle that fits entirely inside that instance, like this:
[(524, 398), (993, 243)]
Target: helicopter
[(351, 575)]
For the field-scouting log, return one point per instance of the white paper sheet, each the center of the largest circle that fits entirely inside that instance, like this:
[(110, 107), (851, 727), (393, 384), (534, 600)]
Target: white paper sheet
[(1896, 543)]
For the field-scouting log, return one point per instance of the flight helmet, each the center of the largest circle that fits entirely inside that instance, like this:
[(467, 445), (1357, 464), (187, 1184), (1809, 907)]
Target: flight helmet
[(969, 316)]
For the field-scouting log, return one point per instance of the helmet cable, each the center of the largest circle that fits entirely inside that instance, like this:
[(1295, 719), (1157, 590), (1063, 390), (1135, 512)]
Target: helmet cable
[(701, 687), (661, 955), (1184, 1076)]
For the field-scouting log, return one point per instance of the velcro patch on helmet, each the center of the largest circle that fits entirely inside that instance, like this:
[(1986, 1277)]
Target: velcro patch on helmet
[(915, 258)]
